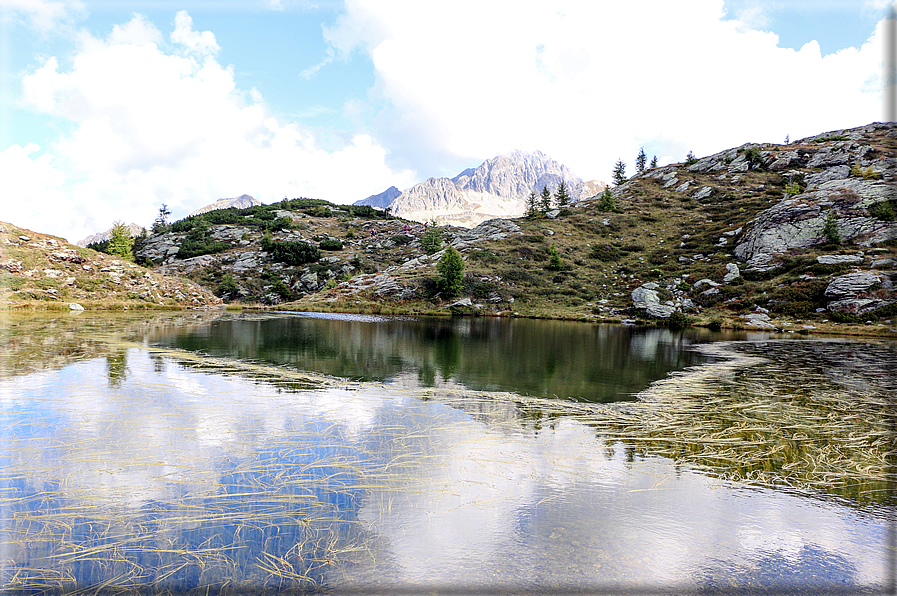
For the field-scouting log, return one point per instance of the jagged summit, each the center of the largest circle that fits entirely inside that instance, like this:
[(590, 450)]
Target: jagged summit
[(498, 187), (241, 202), (133, 229)]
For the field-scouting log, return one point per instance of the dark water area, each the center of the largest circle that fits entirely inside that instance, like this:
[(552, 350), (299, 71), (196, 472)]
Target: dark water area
[(594, 363)]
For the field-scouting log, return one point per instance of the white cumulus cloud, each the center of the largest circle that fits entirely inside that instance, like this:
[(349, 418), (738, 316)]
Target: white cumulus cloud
[(588, 82), (155, 124)]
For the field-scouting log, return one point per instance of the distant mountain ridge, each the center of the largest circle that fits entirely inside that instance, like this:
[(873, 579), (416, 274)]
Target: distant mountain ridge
[(133, 229), (241, 202), (499, 187)]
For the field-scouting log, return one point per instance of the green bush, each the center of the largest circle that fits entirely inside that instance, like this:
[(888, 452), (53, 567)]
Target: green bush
[(330, 244), (830, 230), (883, 210), (292, 253), (678, 320), (227, 286)]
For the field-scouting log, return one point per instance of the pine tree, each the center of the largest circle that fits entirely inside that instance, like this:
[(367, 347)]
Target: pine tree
[(532, 205), (160, 226), (640, 161), (545, 203), (431, 241), (607, 202), (619, 174), (654, 162), (554, 259), (690, 158), (451, 273), (561, 196), (121, 243)]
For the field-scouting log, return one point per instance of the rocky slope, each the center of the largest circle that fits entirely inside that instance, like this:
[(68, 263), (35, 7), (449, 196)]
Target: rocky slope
[(41, 271), (499, 187)]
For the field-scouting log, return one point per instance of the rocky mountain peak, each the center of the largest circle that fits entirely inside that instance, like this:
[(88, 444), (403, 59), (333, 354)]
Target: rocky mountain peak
[(241, 202)]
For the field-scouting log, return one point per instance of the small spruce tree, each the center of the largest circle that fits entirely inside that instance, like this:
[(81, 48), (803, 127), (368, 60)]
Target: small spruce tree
[(554, 259), (431, 241), (607, 202), (619, 173), (830, 230), (451, 272), (640, 161), (532, 205), (121, 244), (654, 162), (545, 202), (690, 158), (561, 196), (160, 225)]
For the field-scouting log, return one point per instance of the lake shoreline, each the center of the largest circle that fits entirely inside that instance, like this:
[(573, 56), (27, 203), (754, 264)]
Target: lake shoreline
[(780, 325)]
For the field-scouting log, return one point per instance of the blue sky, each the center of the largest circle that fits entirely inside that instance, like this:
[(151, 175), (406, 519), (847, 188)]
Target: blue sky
[(109, 109)]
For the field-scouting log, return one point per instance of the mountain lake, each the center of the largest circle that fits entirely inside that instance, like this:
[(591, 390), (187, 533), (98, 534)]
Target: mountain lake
[(248, 452)]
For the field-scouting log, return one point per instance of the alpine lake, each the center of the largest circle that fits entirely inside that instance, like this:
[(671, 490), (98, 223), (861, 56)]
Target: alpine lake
[(254, 453)]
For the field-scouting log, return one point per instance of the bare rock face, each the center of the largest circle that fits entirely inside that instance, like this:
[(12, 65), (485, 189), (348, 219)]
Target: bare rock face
[(799, 221), (498, 188), (241, 202), (852, 284)]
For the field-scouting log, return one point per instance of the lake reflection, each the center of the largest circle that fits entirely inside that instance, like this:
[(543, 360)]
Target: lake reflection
[(542, 358), (134, 467)]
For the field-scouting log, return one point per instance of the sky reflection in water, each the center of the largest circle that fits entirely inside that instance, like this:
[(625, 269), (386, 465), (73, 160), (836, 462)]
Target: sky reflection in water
[(384, 487)]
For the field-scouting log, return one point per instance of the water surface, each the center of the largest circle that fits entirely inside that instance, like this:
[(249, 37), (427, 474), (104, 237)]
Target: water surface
[(129, 465)]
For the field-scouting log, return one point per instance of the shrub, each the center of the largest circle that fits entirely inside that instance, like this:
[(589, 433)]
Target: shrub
[(292, 253), (678, 320), (227, 286), (753, 157), (867, 174), (715, 324), (690, 159), (830, 230), (330, 244), (400, 239), (883, 210), (792, 189)]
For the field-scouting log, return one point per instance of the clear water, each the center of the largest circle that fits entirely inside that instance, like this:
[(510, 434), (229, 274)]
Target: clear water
[(132, 463)]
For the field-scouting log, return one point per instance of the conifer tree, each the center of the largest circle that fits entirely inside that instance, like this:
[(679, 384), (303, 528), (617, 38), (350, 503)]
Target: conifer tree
[(545, 203), (654, 162), (640, 161), (121, 243), (451, 272), (561, 196), (619, 174), (532, 205)]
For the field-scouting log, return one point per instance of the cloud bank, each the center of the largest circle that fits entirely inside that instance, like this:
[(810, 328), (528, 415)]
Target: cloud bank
[(158, 121), (588, 82)]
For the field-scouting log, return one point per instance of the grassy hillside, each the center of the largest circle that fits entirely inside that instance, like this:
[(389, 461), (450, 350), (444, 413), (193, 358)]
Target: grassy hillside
[(42, 272)]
